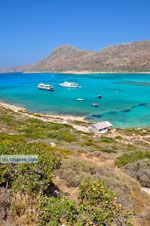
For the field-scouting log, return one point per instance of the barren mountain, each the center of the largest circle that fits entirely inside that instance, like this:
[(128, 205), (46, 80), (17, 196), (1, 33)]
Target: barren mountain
[(130, 57)]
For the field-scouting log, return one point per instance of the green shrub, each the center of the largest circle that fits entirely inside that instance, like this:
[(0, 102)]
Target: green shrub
[(66, 136), (107, 139), (132, 157), (56, 211), (8, 139), (97, 207), (7, 118), (30, 178), (88, 142), (118, 137), (37, 129), (48, 125), (108, 150)]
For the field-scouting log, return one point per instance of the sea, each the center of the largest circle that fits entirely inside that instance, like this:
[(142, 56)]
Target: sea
[(125, 98)]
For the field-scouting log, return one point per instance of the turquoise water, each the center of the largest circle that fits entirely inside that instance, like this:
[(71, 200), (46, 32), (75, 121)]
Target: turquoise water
[(125, 97)]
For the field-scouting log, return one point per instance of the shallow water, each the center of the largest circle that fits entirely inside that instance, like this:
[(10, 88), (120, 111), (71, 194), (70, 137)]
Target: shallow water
[(125, 97)]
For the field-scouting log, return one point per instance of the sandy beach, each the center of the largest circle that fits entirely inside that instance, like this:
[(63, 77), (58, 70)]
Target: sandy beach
[(86, 72), (63, 119), (100, 72)]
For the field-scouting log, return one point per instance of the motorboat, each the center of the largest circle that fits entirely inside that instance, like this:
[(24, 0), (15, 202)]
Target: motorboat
[(79, 99), (70, 84), (95, 104), (45, 87)]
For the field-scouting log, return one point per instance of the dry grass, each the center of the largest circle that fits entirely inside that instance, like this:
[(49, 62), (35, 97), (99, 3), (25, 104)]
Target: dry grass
[(23, 209), (140, 170), (74, 170)]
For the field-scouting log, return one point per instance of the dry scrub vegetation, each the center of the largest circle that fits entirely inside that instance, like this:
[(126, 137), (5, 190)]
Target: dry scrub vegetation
[(81, 180)]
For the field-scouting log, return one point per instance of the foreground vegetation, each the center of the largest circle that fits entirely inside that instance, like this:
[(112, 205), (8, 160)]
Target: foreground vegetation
[(75, 181), (97, 206)]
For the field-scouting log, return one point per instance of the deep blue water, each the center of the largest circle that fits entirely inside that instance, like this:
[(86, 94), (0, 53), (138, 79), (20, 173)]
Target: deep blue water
[(125, 97)]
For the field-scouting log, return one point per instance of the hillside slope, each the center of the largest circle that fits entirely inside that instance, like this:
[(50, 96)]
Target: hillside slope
[(74, 180), (131, 57)]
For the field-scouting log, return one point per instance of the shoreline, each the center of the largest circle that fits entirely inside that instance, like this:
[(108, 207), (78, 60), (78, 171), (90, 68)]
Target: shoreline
[(62, 119), (77, 72), (83, 72), (80, 123), (17, 108)]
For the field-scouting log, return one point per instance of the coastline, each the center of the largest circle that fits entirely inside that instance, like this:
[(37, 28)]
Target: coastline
[(77, 72), (79, 123), (74, 121), (84, 72), (61, 115)]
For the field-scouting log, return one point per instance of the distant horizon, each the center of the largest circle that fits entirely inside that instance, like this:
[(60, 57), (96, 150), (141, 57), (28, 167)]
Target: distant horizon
[(30, 29)]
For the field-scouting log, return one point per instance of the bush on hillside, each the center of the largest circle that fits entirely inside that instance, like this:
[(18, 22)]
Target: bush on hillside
[(139, 170), (97, 207), (132, 157), (25, 177)]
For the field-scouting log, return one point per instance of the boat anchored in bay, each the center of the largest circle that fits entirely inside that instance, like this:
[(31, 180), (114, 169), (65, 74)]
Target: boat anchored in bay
[(95, 104), (70, 85), (46, 87), (80, 99)]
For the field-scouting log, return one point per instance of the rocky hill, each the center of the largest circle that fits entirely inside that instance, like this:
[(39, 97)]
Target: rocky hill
[(130, 57)]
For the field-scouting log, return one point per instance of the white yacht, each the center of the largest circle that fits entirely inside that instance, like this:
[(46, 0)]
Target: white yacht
[(45, 87), (80, 99), (70, 84)]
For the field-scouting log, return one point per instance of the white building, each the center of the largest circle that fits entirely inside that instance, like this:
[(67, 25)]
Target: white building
[(100, 127)]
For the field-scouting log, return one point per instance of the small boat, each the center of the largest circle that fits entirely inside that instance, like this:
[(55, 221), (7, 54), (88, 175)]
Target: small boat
[(95, 104), (70, 85), (79, 99), (45, 87), (99, 96)]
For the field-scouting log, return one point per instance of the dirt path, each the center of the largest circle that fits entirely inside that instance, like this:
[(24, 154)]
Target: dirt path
[(72, 192)]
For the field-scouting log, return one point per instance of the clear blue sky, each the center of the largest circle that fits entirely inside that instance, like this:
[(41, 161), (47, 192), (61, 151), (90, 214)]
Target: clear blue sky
[(30, 29)]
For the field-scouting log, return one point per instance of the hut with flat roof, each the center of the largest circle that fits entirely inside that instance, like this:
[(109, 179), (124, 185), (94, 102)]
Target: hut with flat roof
[(100, 127)]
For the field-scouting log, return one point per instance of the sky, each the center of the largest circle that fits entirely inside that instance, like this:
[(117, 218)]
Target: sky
[(30, 29)]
